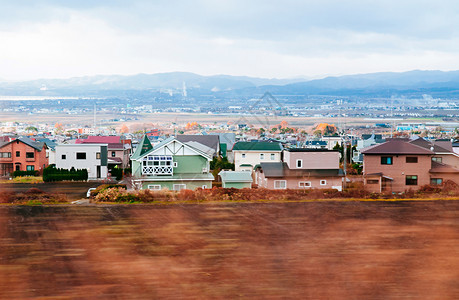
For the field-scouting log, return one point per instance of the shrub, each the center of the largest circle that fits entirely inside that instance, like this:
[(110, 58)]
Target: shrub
[(25, 173), (51, 173)]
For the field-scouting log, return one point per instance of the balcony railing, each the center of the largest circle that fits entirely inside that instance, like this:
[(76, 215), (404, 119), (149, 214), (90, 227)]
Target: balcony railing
[(6, 159), (30, 159)]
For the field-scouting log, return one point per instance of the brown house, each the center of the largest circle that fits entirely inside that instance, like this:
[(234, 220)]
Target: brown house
[(22, 154), (399, 165)]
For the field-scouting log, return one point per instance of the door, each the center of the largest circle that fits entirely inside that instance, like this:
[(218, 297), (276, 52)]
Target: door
[(98, 171)]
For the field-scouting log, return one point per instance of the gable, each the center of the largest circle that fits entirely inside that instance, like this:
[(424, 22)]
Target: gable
[(174, 148)]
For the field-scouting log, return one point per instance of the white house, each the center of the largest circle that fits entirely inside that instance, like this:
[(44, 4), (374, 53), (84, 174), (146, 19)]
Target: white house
[(92, 157)]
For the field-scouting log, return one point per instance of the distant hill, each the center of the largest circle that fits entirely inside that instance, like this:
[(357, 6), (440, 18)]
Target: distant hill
[(374, 84)]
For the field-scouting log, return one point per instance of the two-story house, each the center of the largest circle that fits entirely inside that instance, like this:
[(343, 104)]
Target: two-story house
[(92, 157), (118, 149), (249, 154), (22, 154), (172, 165), (302, 168), (399, 165)]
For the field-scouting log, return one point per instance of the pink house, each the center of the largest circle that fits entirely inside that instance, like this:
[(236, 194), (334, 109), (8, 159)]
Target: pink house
[(302, 169), (399, 165)]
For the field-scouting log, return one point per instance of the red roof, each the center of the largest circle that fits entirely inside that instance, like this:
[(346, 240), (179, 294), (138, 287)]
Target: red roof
[(395, 147), (94, 139)]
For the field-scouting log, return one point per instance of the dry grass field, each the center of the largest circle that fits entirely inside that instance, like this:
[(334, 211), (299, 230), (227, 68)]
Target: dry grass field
[(326, 250)]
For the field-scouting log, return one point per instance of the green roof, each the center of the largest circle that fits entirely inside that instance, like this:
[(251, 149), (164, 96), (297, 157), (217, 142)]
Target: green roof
[(257, 146), (143, 147), (235, 176)]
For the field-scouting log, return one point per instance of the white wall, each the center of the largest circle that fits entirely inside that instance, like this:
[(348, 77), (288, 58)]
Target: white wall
[(90, 163)]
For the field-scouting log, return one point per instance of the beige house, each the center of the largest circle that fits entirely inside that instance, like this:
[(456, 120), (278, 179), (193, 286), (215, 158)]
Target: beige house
[(249, 154)]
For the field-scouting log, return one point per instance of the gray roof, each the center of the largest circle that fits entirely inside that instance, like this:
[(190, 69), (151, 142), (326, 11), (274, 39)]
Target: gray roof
[(280, 169), (228, 138), (211, 141), (235, 176), (29, 142), (203, 148)]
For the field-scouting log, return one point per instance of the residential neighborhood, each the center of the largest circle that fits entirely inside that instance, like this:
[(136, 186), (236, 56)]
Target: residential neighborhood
[(382, 164)]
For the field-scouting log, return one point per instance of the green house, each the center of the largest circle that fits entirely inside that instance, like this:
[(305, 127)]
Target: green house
[(171, 165)]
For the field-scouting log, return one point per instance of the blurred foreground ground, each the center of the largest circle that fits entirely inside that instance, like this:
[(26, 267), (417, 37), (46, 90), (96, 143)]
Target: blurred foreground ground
[(327, 250)]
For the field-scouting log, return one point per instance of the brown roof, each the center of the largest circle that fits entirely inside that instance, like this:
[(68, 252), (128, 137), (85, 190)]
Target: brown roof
[(436, 146), (397, 147), (442, 168)]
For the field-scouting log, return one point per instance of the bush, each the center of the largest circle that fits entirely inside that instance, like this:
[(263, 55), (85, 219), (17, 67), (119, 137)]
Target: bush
[(51, 173), (104, 187), (25, 173)]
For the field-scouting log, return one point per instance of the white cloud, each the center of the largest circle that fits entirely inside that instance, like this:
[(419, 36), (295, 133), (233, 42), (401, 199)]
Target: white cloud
[(253, 38)]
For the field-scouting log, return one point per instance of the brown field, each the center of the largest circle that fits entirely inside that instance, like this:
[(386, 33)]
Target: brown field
[(180, 119), (326, 250)]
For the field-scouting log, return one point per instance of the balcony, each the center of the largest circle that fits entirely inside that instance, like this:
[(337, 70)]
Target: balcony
[(6, 159), (30, 159)]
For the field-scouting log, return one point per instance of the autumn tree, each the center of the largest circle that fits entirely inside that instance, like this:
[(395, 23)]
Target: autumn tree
[(124, 129)]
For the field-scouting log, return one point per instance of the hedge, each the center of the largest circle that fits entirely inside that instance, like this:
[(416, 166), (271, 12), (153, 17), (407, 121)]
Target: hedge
[(51, 173), (25, 173)]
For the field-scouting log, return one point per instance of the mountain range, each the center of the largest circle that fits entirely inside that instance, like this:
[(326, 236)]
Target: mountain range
[(440, 83)]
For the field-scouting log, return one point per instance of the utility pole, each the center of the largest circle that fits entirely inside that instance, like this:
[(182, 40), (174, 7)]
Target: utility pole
[(95, 124)]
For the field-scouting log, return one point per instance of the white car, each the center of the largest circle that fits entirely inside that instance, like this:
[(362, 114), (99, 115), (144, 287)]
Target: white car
[(88, 194)]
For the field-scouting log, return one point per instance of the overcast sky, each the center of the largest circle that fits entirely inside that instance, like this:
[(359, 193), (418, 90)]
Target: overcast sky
[(282, 39)]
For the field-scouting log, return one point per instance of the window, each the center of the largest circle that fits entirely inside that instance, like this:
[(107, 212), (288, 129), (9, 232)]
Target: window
[(273, 156), (299, 163), (64, 156), (30, 155), (204, 186), (81, 155), (436, 181), (262, 156), (372, 181), (113, 153), (412, 159), (155, 187), (280, 184), (437, 159), (304, 184), (386, 160), (323, 182), (97, 155), (18, 153), (157, 165), (243, 155), (178, 187), (5, 154), (411, 180), (30, 168)]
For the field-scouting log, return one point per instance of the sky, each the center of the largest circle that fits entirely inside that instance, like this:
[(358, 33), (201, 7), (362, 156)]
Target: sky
[(270, 39)]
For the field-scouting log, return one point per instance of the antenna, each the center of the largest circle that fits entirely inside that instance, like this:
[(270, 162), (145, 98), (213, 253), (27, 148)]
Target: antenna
[(95, 124)]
